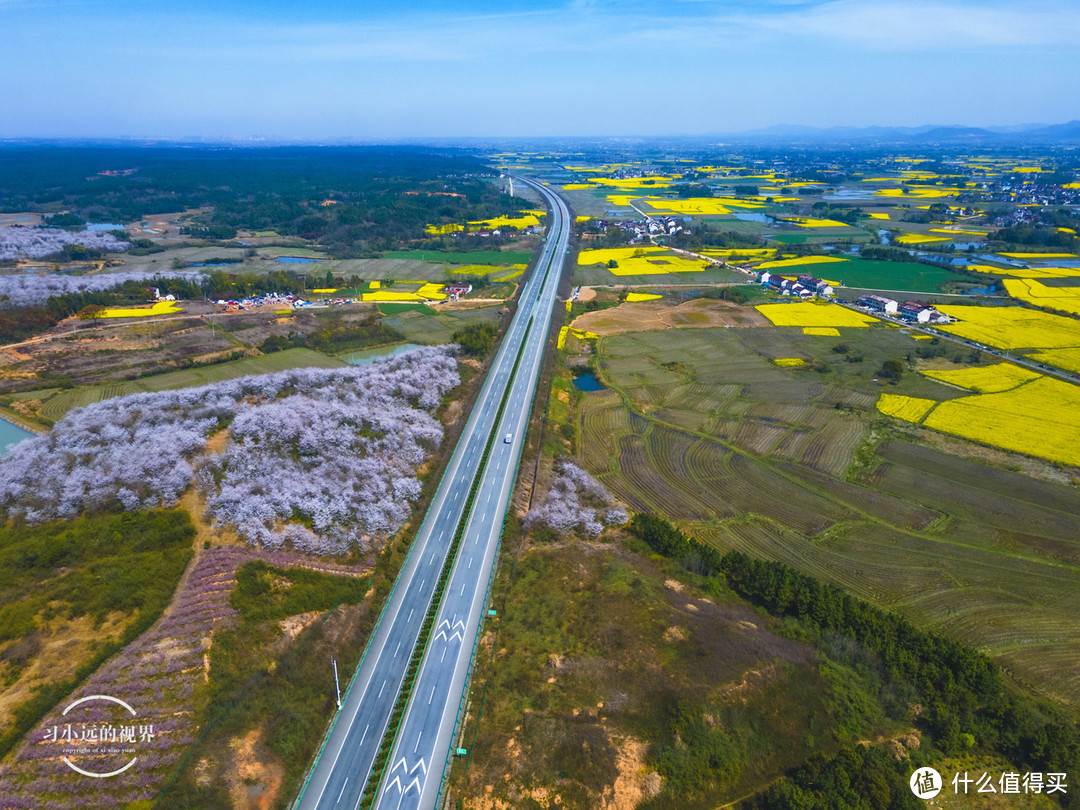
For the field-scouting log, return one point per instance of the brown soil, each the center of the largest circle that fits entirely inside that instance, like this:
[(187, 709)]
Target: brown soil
[(586, 294), (254, 777), (52, 653), (646, 315)]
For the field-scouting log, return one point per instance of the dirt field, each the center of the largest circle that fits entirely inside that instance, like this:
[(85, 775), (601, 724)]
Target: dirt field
[(648, 315)]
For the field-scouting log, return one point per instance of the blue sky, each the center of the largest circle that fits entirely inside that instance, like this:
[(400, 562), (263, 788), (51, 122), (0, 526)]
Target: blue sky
[(360, 70)]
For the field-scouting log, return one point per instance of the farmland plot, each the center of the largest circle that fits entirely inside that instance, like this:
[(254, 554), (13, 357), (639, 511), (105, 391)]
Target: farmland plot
[(699, 425)]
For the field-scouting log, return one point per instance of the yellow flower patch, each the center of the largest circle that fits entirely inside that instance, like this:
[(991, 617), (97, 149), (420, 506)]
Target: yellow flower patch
[(789, 362), (1038, 419), (432, 292), (1013, 327), (1039, 255), (810, 222), (1068, 359), (919, 239), (878, 215), (692, 206), (822, 331), (635, 297), (520, 223), (641, 261), (810, 313), (1065, 299), (160, 308), (985, 379), (910, 409)]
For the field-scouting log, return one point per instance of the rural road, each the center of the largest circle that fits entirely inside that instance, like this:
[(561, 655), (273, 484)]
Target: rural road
[(414, 771)]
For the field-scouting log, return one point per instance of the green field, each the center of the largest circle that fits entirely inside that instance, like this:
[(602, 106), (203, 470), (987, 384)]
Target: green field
[(433, 328), (492, 257), (907, 276), (57, 402), (701, 426)]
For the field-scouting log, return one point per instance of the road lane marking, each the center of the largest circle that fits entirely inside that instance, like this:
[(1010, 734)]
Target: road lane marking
[(410, 615), (431, 696), (397, 649), (381, 689), (343, 784)]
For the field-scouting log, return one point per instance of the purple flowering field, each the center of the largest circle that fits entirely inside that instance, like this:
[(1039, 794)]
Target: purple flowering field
[(160, 675), (576, 503), (319, 460)]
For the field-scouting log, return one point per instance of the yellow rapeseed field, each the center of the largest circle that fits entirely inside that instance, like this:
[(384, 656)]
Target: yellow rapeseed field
[(985, 379), (635, 297), (160, 308), (390, 296), (520, 223), (910, 409), (1065, 299), (1027, 272), (1068, 359), (579, 186), (740, 253), (636, 182), (1013, 327), (578, 333), (919, 239), (810, 222), (799, 261), (442, 230), (1039, 255), (691, 206), (432, 292), (789, 362), (1038, 419), (810, 313), (878, 215), (325, 290), (823, 331), (640, 261)]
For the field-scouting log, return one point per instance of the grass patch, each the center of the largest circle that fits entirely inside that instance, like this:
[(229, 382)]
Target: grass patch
[(491, 257), (98, 567), (264, 592)]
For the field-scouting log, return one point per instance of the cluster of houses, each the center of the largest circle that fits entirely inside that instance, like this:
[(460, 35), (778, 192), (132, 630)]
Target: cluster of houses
[(641, 229), (913, 311), (803, 285)]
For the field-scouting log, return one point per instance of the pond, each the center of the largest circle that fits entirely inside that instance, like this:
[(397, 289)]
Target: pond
[(297, 259), (11, 434), (105, 226), (587, 382), (751, 216), (363, 356)]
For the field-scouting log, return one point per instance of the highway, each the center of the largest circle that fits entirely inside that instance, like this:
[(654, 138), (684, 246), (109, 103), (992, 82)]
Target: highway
[(414, 773)]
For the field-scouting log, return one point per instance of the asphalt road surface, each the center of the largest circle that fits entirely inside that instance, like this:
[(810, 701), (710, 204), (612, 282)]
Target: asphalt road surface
[(425, 734)]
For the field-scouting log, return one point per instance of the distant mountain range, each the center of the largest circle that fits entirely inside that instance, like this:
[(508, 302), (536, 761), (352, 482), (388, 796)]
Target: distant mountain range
[(1024, 133)]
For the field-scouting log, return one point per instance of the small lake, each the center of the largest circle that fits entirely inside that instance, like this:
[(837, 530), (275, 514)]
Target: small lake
[(11, 434), (587, 382), (105, 226), (751, 216), (297, 259), (363, 356)]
